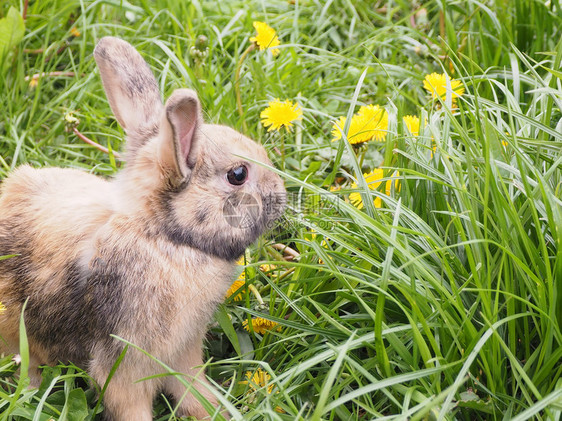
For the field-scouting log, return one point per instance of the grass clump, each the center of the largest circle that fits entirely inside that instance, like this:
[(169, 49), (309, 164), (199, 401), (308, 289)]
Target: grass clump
[(440, 296)]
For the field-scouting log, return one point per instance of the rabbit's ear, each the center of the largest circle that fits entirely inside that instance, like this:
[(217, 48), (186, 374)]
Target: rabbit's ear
[(180, 135), (129, 84)]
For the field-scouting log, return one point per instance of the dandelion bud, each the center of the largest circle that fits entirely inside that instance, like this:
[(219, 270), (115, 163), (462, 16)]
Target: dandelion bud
[(200, 50), (70, 121), (201, 43)]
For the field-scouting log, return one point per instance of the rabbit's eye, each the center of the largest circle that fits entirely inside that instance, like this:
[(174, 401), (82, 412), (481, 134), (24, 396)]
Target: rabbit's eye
[(238, 175)]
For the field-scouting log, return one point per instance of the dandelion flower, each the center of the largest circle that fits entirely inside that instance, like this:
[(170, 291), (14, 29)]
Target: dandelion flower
[(239, 283), (269, 270), (377, 118), (2, 308), (279, 114), (412, 124), (74, 32), (258, 379), (374, 180), (310, 235), (237, 286), (259, 325), (371, 122), (266, 37), (436, 85)]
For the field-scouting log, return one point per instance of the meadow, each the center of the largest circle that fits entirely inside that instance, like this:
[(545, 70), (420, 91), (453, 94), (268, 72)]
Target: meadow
[(417, 271)]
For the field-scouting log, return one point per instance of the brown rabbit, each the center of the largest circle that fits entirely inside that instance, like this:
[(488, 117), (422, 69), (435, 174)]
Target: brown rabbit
[(146, 256)]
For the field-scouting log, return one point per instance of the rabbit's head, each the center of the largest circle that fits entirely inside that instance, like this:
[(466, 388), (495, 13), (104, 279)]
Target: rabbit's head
[(197, 184)]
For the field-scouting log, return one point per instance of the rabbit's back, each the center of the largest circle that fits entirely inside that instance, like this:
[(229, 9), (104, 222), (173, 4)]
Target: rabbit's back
[(68, 201), (47, 218), (47, 215)]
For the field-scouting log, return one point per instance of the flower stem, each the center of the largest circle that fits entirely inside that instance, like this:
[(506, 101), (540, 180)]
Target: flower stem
[(94, 144), (37, 76), (251, 48), (252, 288), (286, 250), (362, 157)]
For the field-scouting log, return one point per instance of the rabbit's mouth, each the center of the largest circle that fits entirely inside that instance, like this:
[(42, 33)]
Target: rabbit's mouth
[(254, 213), (273, 205), (244, 218)]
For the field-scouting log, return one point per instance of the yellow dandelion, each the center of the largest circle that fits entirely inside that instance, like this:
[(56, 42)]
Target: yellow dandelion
[(33, 82), (238, 284), (268, 269), (2, 308), (259, 325), (436, 85), (237, 288), (374, 180), (412, 123), (310, 235), (74, 32), (377, 118), (324, 244), (371, 122), (433, 148), (258, 379), (279, 114), (266, 37), (240, 262)]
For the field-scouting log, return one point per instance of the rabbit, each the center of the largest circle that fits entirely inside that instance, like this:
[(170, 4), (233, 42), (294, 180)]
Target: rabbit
[(146, 256)]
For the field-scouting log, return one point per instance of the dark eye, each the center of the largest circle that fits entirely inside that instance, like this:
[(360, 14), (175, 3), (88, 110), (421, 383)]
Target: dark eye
[(238, 175)]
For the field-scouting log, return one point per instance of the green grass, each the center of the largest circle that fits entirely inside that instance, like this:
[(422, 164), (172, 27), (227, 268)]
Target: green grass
[(445, 303)]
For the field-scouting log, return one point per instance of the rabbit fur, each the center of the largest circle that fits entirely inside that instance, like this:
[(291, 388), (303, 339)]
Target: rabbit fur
[(146, 256)]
